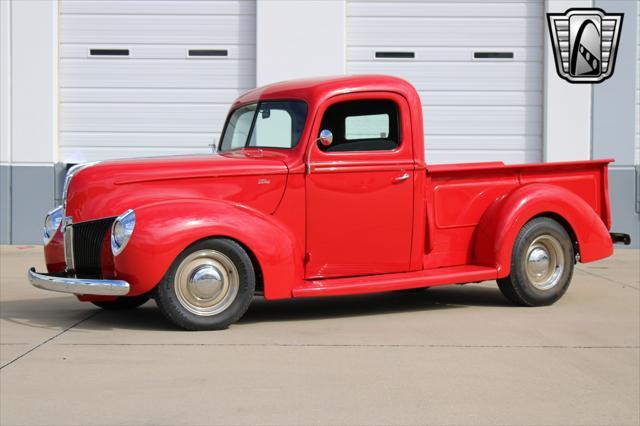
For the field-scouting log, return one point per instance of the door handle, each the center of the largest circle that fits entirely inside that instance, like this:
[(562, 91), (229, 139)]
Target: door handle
[(402, 178)]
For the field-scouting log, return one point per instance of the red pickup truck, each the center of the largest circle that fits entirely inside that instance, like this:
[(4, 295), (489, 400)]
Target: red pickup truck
[(319, 187)]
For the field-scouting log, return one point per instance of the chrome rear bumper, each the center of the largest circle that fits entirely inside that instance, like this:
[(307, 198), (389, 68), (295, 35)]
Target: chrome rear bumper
[(78, 285)]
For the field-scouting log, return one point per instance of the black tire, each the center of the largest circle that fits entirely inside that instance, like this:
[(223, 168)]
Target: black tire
[(123, 303), (178, 298), (413, 290), (527, 285)]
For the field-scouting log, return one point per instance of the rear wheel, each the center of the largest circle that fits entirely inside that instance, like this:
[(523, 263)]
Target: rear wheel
[(541, 264), (123, 303), (208, 287)]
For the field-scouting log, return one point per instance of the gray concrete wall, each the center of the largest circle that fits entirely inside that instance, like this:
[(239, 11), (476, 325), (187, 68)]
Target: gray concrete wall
[(30, 196), (623, 183), (5, 204), (614, 123)]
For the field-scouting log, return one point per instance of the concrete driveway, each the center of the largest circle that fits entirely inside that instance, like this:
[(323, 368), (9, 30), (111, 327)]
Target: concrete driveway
[(456, 355)]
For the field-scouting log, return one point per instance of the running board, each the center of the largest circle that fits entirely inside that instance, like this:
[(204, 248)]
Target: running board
[(390, 282)]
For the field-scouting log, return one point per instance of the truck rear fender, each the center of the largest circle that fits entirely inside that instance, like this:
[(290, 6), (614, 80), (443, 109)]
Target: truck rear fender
[(163, 230), (501, 222)]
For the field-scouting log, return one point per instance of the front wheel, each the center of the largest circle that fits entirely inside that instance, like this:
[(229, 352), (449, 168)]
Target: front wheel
[(541, 264), (208, 287)]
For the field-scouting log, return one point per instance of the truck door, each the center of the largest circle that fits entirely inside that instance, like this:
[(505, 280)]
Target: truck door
[(359, 190)]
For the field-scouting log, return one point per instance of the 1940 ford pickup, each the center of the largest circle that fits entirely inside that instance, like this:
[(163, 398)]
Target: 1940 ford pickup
[(319, 188)]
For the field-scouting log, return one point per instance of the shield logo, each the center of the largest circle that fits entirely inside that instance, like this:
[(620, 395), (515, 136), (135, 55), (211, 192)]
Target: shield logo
[(585, 43)]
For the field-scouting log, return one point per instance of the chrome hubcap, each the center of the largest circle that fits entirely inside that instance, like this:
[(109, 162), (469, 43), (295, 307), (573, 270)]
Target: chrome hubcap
[(544, 262), (538, 262), (206, 282)]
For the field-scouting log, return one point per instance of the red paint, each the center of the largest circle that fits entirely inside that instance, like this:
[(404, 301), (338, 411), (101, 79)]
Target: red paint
[(54, 254), (347, 227), (357, 191)]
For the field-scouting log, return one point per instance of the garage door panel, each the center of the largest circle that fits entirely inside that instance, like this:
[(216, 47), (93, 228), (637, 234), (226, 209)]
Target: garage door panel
[(424, 8), (448, 54), (141, 117), (474, 142), (453, 76), (120, 73), (85, 155), (481, 98), (157, 100), (160, 51), (516, 32), (479, 155), (157, 29), (474, 109), (148, 140), (165, 7), (140, 95), (482, 120)]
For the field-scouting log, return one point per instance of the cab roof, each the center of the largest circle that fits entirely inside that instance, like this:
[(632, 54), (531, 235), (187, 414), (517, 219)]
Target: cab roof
[(315, 90)]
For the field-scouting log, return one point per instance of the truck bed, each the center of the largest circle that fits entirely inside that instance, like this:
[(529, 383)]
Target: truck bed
[(457, 196)]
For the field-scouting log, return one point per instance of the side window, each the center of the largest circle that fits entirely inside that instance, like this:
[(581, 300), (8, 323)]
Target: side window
[(370, 125)]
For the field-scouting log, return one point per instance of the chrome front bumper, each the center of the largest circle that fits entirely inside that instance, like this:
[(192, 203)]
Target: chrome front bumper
[(78, 285)]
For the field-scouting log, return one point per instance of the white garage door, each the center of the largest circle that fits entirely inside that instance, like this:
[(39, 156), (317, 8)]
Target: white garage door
[(477, 65), (151, 77)]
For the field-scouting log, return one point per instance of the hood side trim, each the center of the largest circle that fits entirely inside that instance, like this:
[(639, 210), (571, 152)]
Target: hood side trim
[(192, 175)]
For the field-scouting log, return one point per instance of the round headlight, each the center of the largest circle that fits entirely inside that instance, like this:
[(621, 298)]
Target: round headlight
[(121, 231), (52, 224)]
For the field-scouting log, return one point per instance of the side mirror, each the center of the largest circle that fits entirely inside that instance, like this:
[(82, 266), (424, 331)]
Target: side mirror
[(326, 138)]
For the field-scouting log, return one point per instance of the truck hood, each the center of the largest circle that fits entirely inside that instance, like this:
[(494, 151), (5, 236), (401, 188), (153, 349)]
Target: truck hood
[(252, 178)]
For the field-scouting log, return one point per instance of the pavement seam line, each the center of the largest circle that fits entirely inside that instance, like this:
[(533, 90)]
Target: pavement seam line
[(359, 346), (50, 339), (624, 285)]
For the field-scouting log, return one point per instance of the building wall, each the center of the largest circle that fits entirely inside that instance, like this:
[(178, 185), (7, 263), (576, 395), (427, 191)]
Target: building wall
[(567, 107), (29, 116), (5, 122), (293, 39), (299, 39)]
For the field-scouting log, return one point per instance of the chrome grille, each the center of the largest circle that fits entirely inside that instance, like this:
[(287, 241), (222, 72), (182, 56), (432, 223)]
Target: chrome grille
[(88, 243), (68, 247)]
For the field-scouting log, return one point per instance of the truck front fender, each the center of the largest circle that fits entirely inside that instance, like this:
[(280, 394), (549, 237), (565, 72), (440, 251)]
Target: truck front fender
[(163, 230), (500, 224)]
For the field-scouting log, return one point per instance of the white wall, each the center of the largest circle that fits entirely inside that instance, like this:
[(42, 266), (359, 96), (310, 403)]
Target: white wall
[(299, 39), (637, 149), (567, 107), (34, 65), (5, 81), (294, 39)]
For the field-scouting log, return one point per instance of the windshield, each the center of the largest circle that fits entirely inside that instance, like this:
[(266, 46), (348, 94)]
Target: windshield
[(274, 124)]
